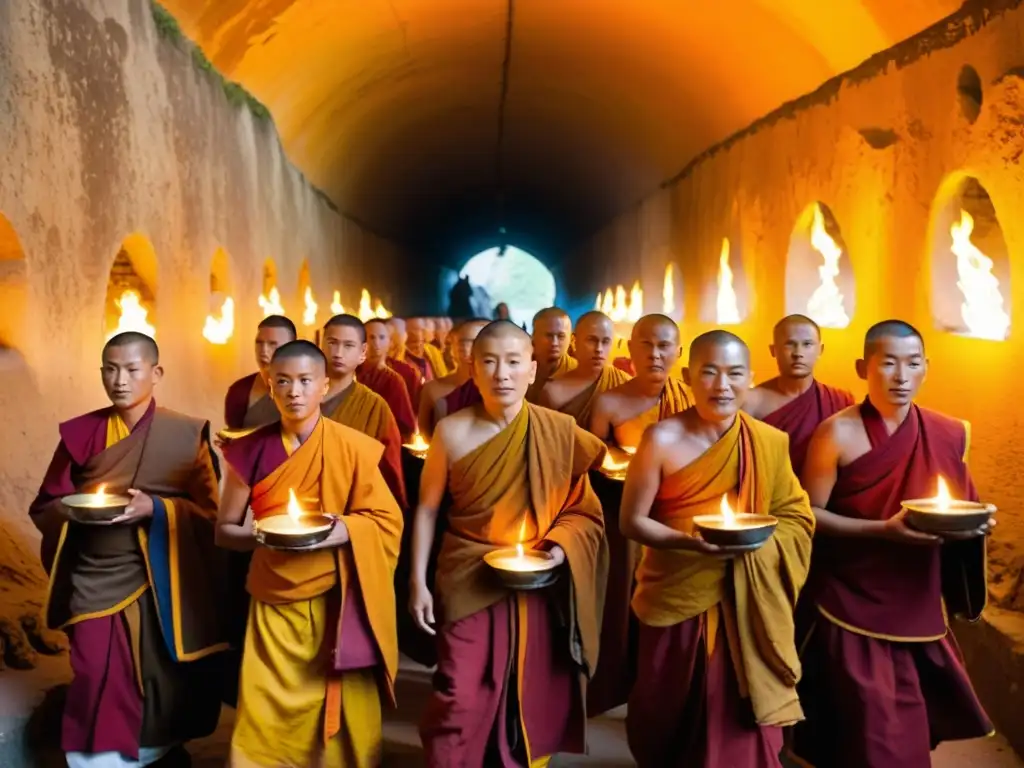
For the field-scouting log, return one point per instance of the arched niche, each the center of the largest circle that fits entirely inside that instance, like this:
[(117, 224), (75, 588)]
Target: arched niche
[(13, 288), (132, 289), (306, 300), (819, 275), (515, 277), (726, 298), (970, 263), (270, 295), (219, 326)]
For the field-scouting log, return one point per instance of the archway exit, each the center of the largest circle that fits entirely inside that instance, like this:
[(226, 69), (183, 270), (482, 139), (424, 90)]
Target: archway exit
[(517, 278)]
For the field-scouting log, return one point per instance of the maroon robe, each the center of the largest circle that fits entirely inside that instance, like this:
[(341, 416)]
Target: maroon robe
[(883, 680), (463, 396), (411, 376), (422, 364), (801, 416), (389, 384), (238, 414), (625, 364)]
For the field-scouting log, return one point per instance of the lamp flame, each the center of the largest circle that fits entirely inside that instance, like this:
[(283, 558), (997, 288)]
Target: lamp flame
[(982, 308), (608, 304), (294, 510), (668, 292), (309, 313), (218, 330), (825, 306), (133, 316), (337, 308), (611, 465), (942, 498), (365, 310), (380, 311), (727, 309), (635, 308), (619, 306), (271, 304), (418, 443), (522, 535), (727, 514), (101, 492)]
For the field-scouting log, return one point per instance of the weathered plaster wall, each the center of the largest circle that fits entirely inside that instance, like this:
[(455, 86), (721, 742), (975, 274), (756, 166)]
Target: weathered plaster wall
[(754, 188), (108, 129)]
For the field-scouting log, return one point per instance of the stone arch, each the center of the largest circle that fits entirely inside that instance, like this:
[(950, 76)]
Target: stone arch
[(819, 273), (131, 301), (517, 278), (220, 322), (969, 262), (13, 288)]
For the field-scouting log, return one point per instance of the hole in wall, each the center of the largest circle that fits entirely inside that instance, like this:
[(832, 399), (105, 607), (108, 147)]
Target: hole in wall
[(219, 326), (307, 300), (270, 296), (131, 289), (13, 289), (970, 264), (726, 300), (819, 275), (969, 93), (517, 278)]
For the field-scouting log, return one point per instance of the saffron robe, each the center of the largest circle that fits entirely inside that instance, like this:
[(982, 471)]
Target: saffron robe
[(564, 365), (321, 647), (624, 364), (580, 406), (675, 398), (718, 664), (239, 414), (141, 604), (433, 354), (801, 416), (390, 386), (512, 665), (365, 411), (463, 396), (411, 376), (885, 681)]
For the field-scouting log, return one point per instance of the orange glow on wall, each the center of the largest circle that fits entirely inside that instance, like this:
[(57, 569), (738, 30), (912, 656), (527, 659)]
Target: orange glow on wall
[(310, 309), (337, 308), (668, 292), (271, 303), (218, 330)]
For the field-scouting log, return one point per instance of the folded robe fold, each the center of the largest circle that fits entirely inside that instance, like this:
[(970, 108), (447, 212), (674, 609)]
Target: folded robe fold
[(801, 416), (390, 386), (582, 404), (675, 398), (463, 396), (564, 365)]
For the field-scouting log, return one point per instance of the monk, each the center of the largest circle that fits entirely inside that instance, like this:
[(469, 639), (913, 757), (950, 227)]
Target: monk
[(433, 406), (717, 672), (552, 331), (375, 373), (321, 648), (343, 342), (509, 687), (795, 401), (419, 352), (448, 352), (248, 400), (410, 373), (139, 597), (884, 682), (621, 414), (575, 391)]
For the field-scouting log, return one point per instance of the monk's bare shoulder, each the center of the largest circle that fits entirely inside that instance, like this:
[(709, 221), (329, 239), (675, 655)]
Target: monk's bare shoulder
[(841, 433), (454, 430), (759, 399)]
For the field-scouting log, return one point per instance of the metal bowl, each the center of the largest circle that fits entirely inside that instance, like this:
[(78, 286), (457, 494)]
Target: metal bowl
[(416, 453), (315, 528), (749, 530), (545, 574), (923, 515), (83, 509)]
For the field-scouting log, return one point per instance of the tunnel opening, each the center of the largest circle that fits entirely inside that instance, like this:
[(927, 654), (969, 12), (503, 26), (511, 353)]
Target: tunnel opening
[(131, 289), (514, 277), (970, 262), (819, 274)]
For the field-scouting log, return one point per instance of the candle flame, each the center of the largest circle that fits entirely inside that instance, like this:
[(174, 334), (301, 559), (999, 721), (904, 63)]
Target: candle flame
[(381, 311), (418, 443), (309, 313), (271, 304), (727, 306), (133, 316), (294, 510), (218, 330), (668, 292), (620, 306), (101, 491), (635, 308), (942, 498), (337, 308), (982, 309), (519, 551), (365, 310), (727, 514)]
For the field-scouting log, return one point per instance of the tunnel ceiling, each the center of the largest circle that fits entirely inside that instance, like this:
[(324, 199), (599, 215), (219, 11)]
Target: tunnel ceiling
[(400, 109)]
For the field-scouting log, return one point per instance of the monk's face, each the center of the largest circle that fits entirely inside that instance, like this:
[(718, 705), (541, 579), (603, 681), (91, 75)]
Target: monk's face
[(399, 336), (593, 340), (464, 343), (441, 330), (268, 340), (895, 370), (429, 329), (297, 387), (503, 369), (130, 375), (344, 348), (417, 334), (654, 349), (551, 338), (719, 375), (378, 341), (796, 349)]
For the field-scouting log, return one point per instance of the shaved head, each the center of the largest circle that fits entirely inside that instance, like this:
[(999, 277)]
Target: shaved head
[(654, 347), (713, 339), (718, 374), (649, 323), (895, 329), (593, 316), (593, 337), (463, 336), (791, 320), (503, 364), (796, 346), (552, 330), (551, 313), (501, 329), (300, 348), (347, 321), (150, 351), (279, 321)]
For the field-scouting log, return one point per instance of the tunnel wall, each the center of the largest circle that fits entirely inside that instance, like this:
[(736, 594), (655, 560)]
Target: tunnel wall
[(875, 147), (109, 129)]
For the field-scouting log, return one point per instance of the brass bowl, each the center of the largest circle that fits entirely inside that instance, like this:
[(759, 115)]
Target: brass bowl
[(543, 575), (923, 515), (315, 528), (749, 530), (83, 508)]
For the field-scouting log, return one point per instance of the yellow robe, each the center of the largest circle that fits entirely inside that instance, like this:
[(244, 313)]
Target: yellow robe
[(675, 398), (436, 359), (565, 364), (580, 406)]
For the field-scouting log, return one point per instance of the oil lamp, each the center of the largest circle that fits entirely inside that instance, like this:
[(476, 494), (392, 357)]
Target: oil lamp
[(616, 462), (520, 568), (944, 514), (294, 530), (97, 507), (418, 447), (728, 529)]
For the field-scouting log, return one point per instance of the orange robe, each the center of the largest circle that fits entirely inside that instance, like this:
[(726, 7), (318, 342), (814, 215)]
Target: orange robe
[(565, 364), (504, 665), (580, 406), (675, 398), (390, 386), (718, 665)]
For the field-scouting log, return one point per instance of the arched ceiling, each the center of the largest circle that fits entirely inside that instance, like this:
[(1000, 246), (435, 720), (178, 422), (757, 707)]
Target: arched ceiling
[(393, 107)]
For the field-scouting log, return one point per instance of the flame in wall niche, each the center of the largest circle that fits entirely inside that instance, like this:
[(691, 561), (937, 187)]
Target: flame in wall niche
[(133, 315), (635, 308), (668, 292), (271, 305), (620, 308), (608, 303), (218, 330), (337, 308), (982, 308), (365, 310), (727, 310), (380, 311), (309, 311), (825, 306)]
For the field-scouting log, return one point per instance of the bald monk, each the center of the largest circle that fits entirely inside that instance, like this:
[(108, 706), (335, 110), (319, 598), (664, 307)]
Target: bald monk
[(419, 352), (794, 401), (343, 342), (552, 331), (140, 598), (375, 373), (248, 400), (433, 405), (621, 414), (410, 373), (321, 648), (718, 666), (884, 682), (575, 391), (448, 351), (510, 680)]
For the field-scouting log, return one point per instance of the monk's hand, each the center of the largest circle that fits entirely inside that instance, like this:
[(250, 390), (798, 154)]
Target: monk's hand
[(221, 442), (896, 529), (138, 509), (697, 544), (557, 554), (336, 538), (421, 606)]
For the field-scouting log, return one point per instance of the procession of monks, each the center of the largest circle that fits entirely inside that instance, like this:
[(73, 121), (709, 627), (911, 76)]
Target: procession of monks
[(830, 643)]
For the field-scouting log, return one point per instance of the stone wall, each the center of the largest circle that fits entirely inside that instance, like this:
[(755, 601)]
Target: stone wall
[(111, 136), (883, 148)]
